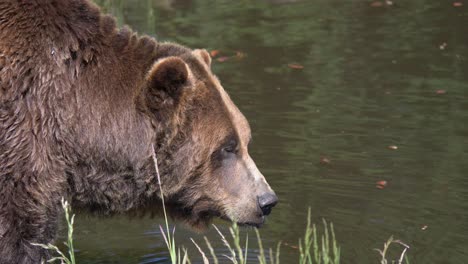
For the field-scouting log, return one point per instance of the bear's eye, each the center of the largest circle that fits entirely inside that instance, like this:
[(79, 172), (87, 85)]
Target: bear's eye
[(231, 147)]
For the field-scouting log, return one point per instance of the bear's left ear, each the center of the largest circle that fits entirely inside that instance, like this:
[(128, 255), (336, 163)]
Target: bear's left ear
[(203, 55), (165, 84), (168, 76)]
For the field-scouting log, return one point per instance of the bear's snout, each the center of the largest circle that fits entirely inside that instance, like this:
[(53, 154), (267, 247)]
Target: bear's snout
[(266, 202)]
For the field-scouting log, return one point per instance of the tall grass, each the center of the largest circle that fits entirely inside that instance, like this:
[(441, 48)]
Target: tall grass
[(311, 250), (62, 257), (314, 248), (169, 238), (326, 253), (384, 251)]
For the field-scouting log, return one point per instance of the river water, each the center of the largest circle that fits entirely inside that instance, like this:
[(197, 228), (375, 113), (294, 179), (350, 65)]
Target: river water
[(340, 95)]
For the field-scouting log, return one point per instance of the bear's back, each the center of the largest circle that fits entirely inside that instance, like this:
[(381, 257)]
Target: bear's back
[(66, 73), (37, 37)]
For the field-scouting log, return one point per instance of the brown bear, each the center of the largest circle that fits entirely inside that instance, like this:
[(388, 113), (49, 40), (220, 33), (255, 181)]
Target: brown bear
[(84, 106)]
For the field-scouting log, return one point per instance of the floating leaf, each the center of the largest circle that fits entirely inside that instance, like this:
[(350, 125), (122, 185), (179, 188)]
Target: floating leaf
[(214, 53), (291, 246), (239, 55), (442, 46), (376, 4), (223, 59), (295, 66), (325, 160), (381, 184)]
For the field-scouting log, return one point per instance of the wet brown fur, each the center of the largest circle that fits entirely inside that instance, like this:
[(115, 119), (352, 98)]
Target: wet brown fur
[(79, 114)]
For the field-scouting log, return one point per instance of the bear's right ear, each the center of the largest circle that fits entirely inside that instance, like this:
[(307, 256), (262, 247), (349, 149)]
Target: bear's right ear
[(165, 84), (204, 55)]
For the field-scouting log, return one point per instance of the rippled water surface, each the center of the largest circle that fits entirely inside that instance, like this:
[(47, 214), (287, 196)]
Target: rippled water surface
[(370, 77)]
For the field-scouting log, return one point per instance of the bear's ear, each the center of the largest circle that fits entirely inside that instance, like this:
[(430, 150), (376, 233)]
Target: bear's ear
[(169, 76), (204, 56), (165, 84)]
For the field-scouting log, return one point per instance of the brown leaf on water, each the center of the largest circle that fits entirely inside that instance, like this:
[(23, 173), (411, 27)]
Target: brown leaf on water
[(291, 246), (381, 184), (240, 55), (223, 59), (441, 91), (324, 160), (376, 4), (392, 147), (443, 46), (295, 66), (457, 4), (384, 183), (214, 53)]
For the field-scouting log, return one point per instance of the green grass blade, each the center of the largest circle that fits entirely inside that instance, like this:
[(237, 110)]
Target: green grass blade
[(213, 255)]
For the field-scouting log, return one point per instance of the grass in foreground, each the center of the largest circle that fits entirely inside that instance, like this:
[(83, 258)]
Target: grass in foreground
[(313, 249), (62, 257), (169, 238), (383, 252), (326, 253)]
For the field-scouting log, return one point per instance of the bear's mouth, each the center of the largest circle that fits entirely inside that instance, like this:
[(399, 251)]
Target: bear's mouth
[(251, 224), (201, 220), (256, 224), (199, 214)]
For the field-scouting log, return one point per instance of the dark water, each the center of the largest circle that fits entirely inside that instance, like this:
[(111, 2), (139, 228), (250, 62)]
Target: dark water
[(372, 77)]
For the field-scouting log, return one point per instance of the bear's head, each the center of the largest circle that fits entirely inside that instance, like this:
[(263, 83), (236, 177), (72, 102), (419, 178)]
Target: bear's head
[(201, 142)]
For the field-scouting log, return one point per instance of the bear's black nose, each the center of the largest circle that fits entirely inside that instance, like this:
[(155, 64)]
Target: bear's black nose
[(266, 202)]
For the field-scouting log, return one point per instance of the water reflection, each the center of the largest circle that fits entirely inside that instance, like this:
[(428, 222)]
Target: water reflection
[(370, 80)]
